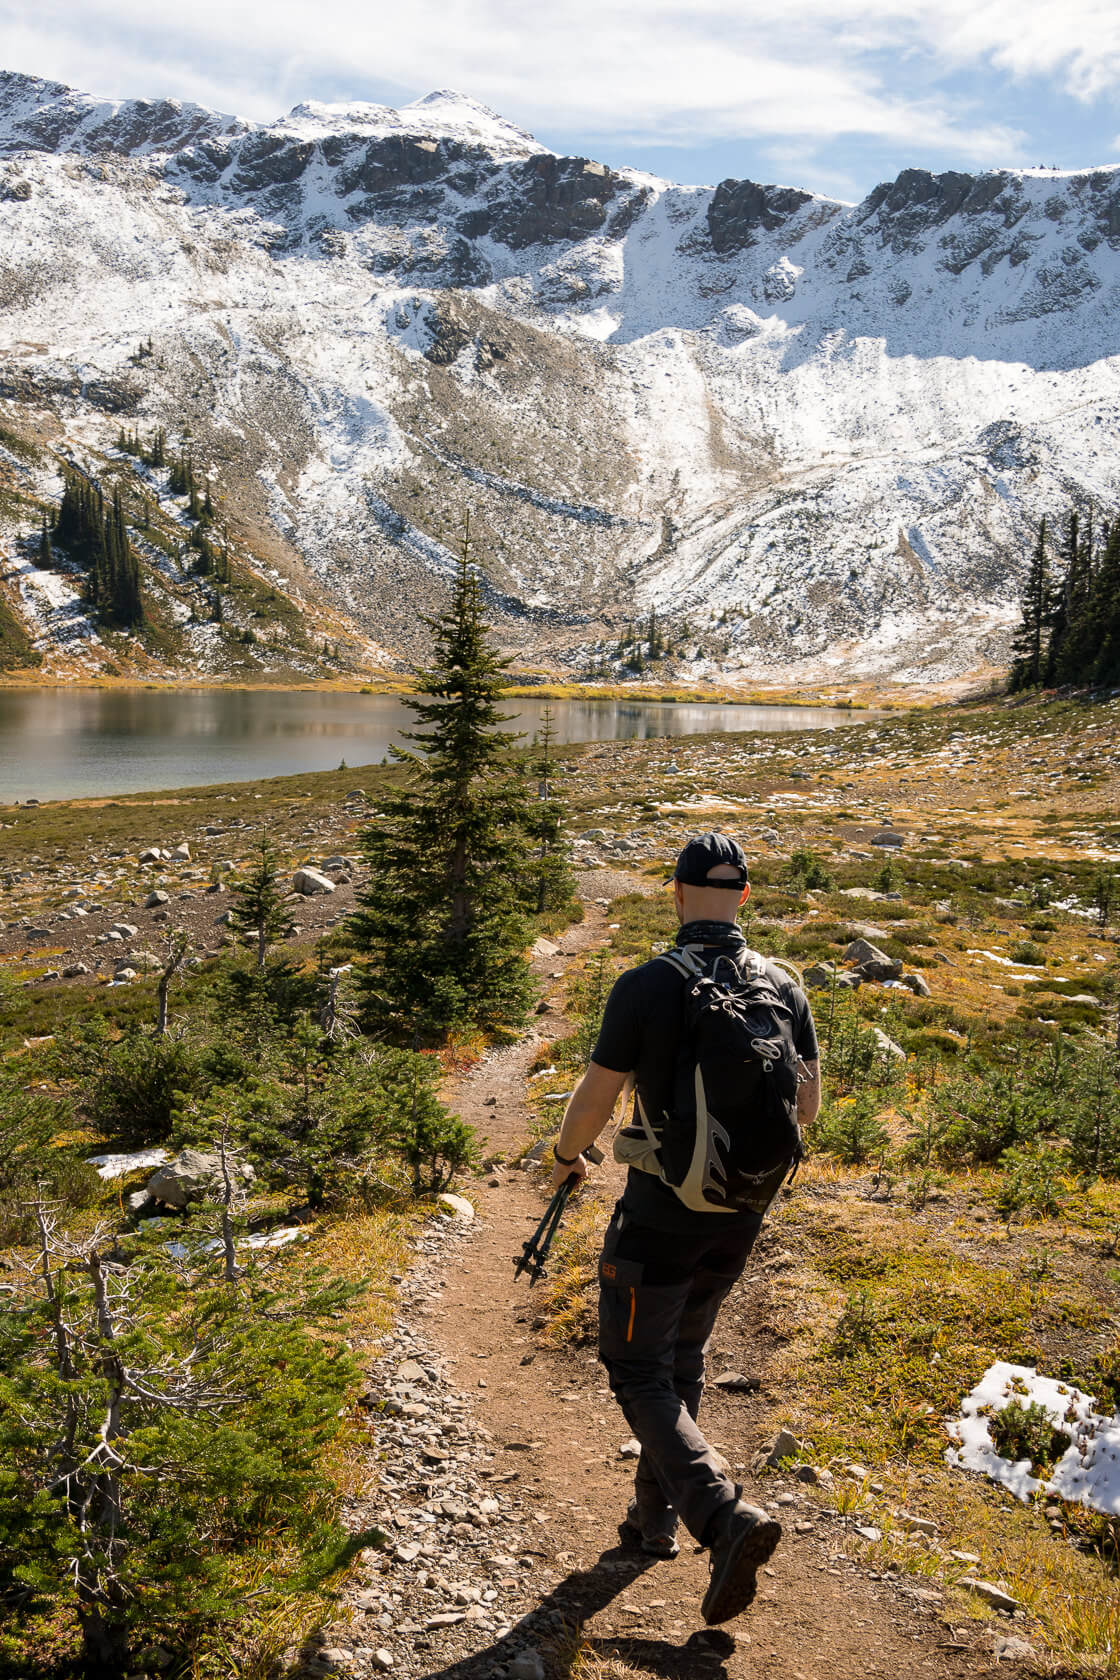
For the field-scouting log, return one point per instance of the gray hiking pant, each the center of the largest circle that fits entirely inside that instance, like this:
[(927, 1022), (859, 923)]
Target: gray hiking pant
[(659, 1295)]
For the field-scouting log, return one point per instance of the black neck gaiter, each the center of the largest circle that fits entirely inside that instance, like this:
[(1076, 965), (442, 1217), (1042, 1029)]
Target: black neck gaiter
[(710, 933)]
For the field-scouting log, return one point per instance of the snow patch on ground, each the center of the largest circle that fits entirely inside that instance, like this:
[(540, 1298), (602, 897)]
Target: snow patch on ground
[(1088, 1473), (116, 1166)]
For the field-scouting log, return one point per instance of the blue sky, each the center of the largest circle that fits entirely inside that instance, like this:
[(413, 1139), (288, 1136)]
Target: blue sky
[(834, 95)]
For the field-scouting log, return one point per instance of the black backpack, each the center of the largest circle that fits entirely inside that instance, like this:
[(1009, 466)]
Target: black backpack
[(732, 1136)]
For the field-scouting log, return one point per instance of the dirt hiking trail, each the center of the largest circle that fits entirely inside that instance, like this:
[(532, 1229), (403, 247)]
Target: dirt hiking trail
[(556, 1441)]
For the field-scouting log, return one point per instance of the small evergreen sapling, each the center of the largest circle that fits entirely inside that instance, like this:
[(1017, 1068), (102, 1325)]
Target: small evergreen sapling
[(258, 911)]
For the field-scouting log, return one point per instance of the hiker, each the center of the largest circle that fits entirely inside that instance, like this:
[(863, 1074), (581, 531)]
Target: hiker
[(719, 1102)]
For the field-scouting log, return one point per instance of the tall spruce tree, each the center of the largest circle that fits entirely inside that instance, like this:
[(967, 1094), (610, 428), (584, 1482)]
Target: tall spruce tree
[(44, 553), (1031, 642), (441, 922), (1073, 643), (1105, 613)]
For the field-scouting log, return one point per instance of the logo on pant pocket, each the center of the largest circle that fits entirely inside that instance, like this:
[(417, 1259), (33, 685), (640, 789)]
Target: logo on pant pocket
[(609, 1271)]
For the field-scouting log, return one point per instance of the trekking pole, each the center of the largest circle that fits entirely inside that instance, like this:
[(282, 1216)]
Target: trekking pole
[(534, 1253)]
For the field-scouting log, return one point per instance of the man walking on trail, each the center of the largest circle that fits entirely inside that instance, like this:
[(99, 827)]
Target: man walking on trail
[(722, 1052)]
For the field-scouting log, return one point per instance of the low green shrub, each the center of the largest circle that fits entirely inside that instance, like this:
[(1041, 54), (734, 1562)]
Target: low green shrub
[(1027, 1432)]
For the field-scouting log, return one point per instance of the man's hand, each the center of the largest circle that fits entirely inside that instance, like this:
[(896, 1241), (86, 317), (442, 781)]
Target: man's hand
[(561, 1175)]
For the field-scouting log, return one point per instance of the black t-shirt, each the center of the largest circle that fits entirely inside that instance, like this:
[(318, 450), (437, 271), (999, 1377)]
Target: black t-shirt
[(640, 1034)]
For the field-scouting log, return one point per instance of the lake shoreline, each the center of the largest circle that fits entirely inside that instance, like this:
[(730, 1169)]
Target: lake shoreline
[(855, 696)]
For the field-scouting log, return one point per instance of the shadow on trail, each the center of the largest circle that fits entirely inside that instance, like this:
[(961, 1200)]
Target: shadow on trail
[(552, 1628)]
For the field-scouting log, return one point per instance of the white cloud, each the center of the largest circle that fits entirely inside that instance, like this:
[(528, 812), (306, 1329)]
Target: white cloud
[(665, 70)]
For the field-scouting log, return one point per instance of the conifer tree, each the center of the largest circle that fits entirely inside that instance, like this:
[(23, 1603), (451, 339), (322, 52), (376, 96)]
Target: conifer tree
[(440, 922), (549, 878), (258, 912), (1031, 640), (1105, 613), (1074, 634)]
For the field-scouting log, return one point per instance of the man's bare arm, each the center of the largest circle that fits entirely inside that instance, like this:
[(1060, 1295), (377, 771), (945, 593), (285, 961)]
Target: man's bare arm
[(589, 1108), (809, 1094)]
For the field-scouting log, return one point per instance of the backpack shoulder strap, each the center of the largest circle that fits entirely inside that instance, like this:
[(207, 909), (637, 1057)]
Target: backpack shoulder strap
[(684, 959), (791, 970)]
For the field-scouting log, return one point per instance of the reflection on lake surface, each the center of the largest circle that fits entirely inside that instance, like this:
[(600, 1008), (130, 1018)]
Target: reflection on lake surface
[(65, 743)]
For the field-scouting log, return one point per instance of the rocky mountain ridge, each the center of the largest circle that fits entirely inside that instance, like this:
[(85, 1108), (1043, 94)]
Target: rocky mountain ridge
[(814, 438)]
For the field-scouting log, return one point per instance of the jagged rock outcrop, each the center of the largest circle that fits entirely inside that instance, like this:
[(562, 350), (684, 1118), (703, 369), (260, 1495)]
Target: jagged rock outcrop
[(812, 436)]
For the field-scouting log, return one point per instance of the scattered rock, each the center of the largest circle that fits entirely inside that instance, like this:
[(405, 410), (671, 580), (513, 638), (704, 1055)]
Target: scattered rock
[(72, 971), (1008, 1647), (869, 1532), (410, 1372), (458, 1205), (181, 854), (821, 974), (331, 1657), (808, 1473), (156, 898), (966, 1557), (151, 854), (190, 1176), (310, 881), (737, 1383), (872, 963), (997, 1597), (630, 1449), (917, 1525), (785, 1445), (888, 837), (527, 1665), (383, 1660), (916, 984), (886, 1044)]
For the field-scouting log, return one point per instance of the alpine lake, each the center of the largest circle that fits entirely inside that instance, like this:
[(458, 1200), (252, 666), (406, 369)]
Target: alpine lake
[(89, 743)]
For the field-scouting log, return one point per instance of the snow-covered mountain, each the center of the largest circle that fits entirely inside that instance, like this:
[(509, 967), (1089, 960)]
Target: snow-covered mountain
[(815, 437)]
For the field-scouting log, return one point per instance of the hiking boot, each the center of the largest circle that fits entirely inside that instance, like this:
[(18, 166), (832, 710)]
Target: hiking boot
[(744, 1539), (657, 1537)]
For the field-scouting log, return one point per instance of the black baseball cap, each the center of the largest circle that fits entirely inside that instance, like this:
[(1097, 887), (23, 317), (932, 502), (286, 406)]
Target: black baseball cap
[(703, 854)]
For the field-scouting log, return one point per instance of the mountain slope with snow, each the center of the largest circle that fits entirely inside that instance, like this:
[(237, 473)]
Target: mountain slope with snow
[(815, 437)]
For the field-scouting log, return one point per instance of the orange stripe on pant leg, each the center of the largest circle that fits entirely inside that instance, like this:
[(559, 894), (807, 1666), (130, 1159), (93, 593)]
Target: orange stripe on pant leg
[(633, 1309)]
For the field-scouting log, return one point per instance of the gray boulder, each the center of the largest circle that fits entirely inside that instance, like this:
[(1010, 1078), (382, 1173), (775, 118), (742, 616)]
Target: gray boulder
[(821, 974), (191, 1176), (888, 837), (872, 963), (146, 960), (310, 881), (156, 898), (916, 984), (151, 854), (181, 854)]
